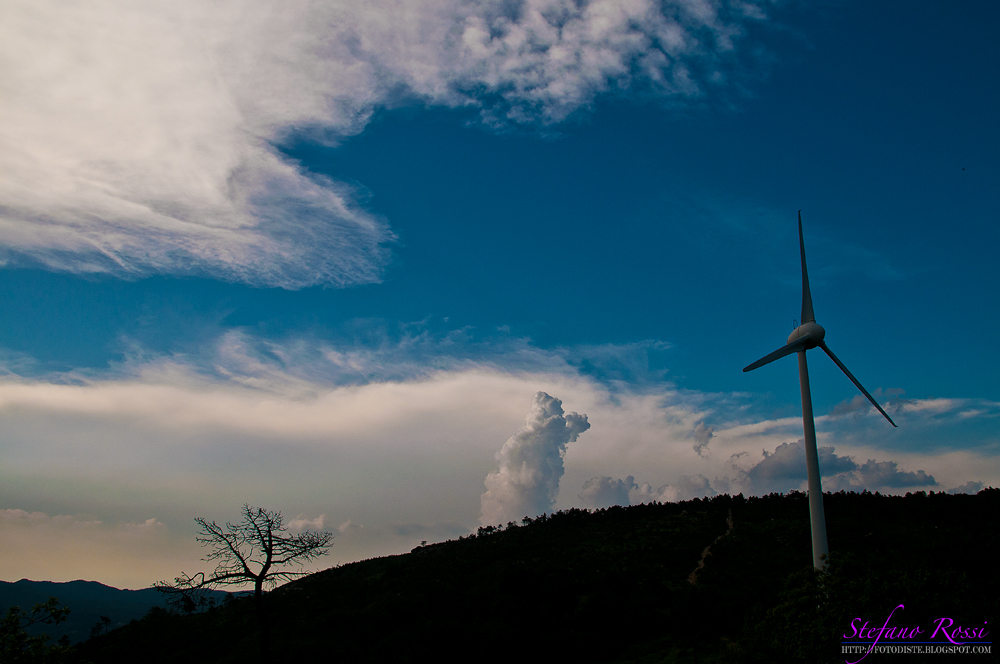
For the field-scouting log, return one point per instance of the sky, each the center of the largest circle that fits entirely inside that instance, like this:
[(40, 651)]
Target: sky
[(402, 269)]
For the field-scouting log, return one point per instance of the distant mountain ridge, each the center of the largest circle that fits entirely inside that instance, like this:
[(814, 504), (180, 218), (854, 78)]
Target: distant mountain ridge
[(88, 601)]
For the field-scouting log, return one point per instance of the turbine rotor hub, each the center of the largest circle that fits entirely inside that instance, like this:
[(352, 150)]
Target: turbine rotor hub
[(814, 330)]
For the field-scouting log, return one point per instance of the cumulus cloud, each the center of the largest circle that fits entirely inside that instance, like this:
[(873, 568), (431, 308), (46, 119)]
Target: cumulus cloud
[(531, 463), (687, 487), (599, 492), (144, 139), (970, 487), (886, 474), (785, 469), (702, 434)]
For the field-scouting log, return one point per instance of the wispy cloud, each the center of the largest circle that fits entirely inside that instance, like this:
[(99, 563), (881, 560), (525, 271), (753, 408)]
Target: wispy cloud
[(142, 139), (368, 351)]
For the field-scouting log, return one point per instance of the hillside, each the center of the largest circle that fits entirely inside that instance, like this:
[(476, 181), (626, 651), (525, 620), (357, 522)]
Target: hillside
[(89, 601), (618, 585)]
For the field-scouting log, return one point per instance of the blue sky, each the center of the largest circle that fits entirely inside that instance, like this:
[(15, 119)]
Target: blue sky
[(323, 260)]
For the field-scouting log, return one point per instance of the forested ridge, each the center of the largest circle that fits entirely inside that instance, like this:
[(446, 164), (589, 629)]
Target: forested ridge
[(618, 585)]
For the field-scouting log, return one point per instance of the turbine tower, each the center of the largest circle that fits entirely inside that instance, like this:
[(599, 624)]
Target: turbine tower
[(810, 335)]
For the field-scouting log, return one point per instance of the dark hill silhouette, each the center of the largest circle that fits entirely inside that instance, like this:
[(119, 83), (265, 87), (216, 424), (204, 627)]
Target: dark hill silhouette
[(619, 585), (88, 601)]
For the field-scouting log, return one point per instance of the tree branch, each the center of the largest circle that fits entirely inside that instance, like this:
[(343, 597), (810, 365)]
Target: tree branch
[(258, 540)]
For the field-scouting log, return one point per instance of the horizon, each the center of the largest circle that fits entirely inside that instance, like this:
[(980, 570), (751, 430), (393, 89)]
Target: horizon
[(364, 269)]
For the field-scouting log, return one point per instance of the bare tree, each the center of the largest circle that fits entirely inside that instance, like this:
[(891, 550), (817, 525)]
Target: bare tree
[(257, 550)]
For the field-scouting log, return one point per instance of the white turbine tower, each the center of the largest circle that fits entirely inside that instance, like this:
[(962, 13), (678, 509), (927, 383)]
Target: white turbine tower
[(810, 335)]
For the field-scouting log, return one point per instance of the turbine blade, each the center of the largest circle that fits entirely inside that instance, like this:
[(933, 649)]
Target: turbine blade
[(807, 301), (794, 347), (855, 381)]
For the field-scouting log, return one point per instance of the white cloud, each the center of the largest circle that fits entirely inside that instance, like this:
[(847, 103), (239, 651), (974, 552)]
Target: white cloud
[(929, 406), (686, 487), (140, 138), (137, 140), (531, 463), (600, 492), (301, 524)]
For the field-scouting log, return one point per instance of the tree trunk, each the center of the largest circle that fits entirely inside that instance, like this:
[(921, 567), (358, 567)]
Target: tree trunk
[(263, 627)]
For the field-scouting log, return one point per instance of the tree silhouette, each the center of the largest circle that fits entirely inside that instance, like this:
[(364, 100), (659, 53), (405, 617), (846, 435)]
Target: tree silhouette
[(256, 550), (17, 646), (100, 627)]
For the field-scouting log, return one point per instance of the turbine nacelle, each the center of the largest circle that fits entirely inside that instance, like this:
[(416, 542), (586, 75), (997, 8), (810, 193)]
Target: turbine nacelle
[(813, 330), (811, 334)]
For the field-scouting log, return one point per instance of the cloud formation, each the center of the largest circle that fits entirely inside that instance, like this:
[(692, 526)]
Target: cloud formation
[(600, 492), (397, 439), (887, 475), (140, 141), (144, 140), (301, 524), (785, 469), (687, 487), (531, 463), (702, 434), (970, 487), (891, 399)]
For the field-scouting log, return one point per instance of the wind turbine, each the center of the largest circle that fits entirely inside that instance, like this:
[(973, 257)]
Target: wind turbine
[(810, 335)]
